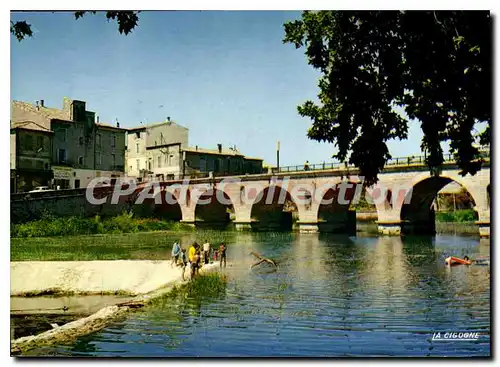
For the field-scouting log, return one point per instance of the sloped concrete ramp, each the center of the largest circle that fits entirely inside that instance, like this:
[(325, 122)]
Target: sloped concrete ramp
[(131, 277)]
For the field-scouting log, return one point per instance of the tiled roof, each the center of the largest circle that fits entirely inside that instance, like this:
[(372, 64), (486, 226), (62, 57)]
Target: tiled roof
[(29, 125), (213, 151), (155, 124), (100, 124), (225, 152)]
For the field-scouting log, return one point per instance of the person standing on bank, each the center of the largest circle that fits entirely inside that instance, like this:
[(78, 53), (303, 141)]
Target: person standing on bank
[(206, 252), (222, 254), (184, 260), (176, 251), (194, 259)]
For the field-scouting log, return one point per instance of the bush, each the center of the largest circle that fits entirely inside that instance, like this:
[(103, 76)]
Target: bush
[(461, 216)]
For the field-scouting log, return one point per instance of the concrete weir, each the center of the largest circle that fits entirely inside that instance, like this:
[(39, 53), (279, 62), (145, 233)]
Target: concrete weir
[(142, 280)]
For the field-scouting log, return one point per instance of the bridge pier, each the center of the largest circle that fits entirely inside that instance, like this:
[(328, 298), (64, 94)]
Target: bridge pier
[(484, 229), (190, 223), (390, 228), (484, 222), (308, 227), (243, 226)]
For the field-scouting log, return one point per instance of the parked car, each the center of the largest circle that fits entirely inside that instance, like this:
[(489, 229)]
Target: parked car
[(41, 189)]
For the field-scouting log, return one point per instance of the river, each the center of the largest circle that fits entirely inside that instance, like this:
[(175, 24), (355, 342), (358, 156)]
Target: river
[(331, 296)]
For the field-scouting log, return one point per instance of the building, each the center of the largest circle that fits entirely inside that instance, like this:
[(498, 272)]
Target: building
[(83, 152), (160, 151), (30, 156), (82, 148), (155, 150), (219, 162)]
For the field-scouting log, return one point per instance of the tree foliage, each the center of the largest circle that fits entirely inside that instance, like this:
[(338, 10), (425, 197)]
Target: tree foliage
[(127, 21), (434, 65)]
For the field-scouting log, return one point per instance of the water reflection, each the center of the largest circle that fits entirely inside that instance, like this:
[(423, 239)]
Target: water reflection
[(331, 296)]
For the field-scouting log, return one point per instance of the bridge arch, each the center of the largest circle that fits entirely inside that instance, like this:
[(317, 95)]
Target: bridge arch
[(416, 212), (272, 207), (166, 206), (213, 208), (334, 208)]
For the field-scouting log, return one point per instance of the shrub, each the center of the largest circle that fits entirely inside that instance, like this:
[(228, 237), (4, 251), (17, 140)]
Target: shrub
[(461, 216)]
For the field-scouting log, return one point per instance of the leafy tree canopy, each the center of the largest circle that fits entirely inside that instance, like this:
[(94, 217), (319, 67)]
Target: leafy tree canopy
[(127, 21), (435, 65)]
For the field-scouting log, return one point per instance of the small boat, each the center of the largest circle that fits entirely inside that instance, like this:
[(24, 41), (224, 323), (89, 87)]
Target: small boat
[(456, 261)]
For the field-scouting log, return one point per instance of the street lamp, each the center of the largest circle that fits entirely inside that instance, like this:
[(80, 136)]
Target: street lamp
[(278, 155)]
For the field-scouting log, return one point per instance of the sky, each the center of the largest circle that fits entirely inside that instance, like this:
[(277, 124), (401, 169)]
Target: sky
[(227, 76)]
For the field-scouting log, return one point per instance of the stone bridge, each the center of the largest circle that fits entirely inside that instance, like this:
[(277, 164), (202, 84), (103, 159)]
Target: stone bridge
[(309, 200)]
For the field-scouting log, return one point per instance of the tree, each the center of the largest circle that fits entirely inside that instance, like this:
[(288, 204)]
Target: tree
[(127, 21), (435, 65)]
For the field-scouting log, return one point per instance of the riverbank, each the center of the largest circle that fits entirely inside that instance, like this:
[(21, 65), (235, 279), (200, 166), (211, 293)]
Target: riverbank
[(148, 288), (155, 245), (73, 226)]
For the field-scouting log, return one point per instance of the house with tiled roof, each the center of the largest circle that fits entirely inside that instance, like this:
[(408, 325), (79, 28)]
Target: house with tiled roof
[(81, 147), (161, 151)]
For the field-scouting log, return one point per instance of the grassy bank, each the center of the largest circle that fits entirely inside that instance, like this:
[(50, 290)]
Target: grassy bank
[(73, 226), (132, 246), (209, 285), (127, 246)]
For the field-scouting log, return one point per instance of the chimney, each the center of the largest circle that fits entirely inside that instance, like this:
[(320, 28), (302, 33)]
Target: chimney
[(168, 118), (219, 147), (97, 118), (117, 123), (197, 147), (42, 103)]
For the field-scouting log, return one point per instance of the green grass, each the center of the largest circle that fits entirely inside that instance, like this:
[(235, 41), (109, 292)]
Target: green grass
[(128, 246), (133, 246), (459, 216), (72, 226), (209, 285)]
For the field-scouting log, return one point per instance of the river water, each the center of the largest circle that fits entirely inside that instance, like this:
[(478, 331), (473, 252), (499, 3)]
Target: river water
[(331, 296)]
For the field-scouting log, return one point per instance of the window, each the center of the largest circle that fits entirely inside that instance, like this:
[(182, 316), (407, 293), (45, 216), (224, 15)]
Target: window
[(99, 159), (61, 155), (80, 161), (130, 168), (203, 165), (113, 141), (137, 147), (170, 159), (98, 141), (113, 159), (81, 140), (159, 161), (138, 162), (149, 165), (77, 184), (61, 134), (39, 143), (170, 177), (28, 142)]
